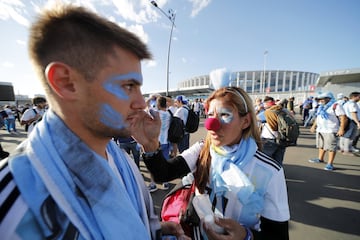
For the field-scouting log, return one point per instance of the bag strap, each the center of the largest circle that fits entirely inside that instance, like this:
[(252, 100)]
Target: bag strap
[(170, 112), (270, 131)]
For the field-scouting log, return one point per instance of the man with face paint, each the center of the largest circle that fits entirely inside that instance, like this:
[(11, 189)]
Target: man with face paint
[(245, 187), (69, 180)]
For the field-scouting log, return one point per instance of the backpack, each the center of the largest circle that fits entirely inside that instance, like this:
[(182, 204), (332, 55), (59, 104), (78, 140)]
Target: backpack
[(3, 114), (288, 128), (192, 122), (176, 129)]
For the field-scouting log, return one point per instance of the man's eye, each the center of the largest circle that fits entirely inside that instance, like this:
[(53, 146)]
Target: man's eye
[(129, 86)]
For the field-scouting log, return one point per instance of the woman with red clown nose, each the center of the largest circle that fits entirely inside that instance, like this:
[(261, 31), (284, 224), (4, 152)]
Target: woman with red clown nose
[(240, 189)]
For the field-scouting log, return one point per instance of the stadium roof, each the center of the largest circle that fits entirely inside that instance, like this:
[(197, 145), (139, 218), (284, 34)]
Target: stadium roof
[(339, 76)]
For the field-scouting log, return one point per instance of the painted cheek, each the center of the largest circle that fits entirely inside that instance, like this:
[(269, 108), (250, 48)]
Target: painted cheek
[(111, 118)]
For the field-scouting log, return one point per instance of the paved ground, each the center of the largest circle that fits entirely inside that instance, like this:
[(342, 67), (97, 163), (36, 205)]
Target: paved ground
[(323, 205)]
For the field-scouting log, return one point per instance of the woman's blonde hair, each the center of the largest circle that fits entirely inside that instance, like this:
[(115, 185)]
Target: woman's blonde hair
[(240, 100)]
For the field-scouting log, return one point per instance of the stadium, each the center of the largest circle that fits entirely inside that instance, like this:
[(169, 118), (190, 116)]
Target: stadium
[(276, 83)]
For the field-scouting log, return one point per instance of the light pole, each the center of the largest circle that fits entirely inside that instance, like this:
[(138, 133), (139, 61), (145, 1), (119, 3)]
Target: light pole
[(171, 16), (264, 77)]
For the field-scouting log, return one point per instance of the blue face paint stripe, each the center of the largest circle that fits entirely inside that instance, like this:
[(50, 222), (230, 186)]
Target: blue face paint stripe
[(113, 86), (111, 118)]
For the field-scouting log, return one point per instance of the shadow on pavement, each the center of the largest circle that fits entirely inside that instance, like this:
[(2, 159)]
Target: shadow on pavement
[(330, 199)]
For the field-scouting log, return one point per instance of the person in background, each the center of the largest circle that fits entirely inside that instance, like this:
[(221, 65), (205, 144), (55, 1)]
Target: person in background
[(69, 179), (228, 167), (352, 111), (165, 118), (306, 106), (172, 107), (356, 139), (197, 106), (170, 104), (10, 120), (290, 105), (329, 124), (33, 115), (259, 106), (341, 100), (151, 101), (3, 115), (312, 113), (130, 146), (182, 113), (269, 132)]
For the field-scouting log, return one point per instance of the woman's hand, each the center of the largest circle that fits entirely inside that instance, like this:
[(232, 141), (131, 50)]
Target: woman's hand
[(175, 229), (232, 228), (145, 129)]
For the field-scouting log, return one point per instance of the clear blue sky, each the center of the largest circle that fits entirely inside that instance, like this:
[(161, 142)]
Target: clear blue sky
[(306, 35)]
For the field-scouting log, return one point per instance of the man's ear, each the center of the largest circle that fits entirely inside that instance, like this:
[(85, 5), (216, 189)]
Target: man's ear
[(61, 79)]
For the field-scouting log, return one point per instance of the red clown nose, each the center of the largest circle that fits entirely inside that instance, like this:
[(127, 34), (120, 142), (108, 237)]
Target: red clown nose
[(212, 124)]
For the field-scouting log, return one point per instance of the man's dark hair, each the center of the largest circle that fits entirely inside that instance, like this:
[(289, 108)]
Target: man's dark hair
[(268, 98), (79, 38), (161, 102), (354, 94), (38, 100)]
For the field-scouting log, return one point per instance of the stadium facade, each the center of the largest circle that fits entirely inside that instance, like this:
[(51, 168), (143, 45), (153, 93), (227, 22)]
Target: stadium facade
[(277, 83)]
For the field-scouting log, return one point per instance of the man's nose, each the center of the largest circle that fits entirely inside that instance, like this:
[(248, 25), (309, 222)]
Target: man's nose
[(139, 101)]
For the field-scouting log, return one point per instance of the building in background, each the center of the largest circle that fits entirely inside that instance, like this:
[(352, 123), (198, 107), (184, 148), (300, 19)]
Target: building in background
[(340, 81), (278, 84), (7, 95)]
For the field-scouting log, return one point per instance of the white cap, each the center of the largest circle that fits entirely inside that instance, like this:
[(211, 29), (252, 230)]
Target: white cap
[(340, 96)]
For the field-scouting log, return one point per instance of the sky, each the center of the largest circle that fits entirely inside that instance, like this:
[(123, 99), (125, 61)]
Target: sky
[(240, 35)]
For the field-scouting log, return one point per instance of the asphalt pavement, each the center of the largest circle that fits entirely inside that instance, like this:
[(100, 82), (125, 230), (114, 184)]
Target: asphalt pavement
[(323, 204)]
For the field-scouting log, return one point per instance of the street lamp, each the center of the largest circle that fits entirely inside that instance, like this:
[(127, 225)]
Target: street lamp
[(264, 77), (171, 16)]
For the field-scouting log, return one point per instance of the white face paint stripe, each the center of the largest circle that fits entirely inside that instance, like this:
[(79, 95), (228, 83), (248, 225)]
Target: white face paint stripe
[(225, 115)]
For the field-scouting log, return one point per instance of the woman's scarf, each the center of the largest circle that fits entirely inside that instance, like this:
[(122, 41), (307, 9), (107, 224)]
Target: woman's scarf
[(227, 175), (82, 184), (231, 160), (323, 108)]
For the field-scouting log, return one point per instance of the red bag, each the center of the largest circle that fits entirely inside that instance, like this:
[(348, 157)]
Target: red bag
[(176, 202)]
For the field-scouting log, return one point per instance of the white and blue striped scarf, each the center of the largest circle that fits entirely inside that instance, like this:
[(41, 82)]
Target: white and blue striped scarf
[(323, 108)]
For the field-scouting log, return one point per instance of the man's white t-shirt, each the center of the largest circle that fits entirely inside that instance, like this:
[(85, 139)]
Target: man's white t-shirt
[(29, 114)]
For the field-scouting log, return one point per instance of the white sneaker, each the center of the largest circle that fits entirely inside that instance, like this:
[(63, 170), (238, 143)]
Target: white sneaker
[(355, 150)]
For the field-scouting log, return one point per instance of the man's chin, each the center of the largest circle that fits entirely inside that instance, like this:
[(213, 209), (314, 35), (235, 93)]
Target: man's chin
[(124, 133)]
